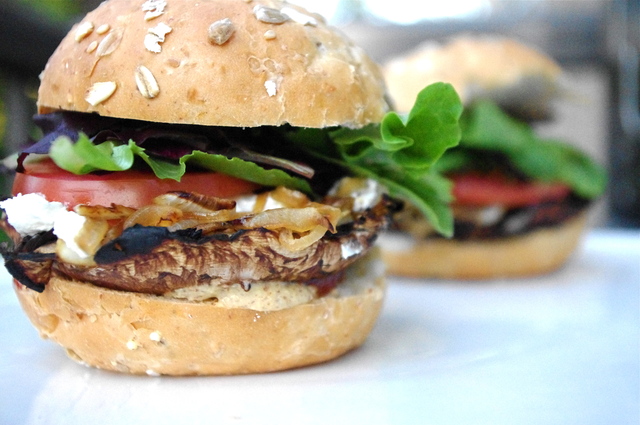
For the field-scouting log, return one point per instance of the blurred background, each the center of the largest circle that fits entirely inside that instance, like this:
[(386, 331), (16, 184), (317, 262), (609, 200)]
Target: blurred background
[(596, 41)]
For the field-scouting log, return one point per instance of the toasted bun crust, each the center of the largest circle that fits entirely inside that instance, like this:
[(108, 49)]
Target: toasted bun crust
[(510, 73), (534, 253), (135, 333), (300, 72)]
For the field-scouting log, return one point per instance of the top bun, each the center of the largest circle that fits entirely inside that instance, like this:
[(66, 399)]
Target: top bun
[(171, 61), (512, 74)]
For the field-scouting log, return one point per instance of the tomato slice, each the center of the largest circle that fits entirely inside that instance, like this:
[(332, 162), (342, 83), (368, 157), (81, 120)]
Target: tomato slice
[(494, 189), (129, 188)]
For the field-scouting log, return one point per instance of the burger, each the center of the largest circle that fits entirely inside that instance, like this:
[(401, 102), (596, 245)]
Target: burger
[(208, 188), (520, 201)]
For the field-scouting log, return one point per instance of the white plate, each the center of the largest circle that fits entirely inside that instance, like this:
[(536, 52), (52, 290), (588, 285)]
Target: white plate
[(559, 349)]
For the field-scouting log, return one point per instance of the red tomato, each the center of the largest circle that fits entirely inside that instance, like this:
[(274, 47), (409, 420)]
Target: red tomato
[(129, 188), (482, 190)]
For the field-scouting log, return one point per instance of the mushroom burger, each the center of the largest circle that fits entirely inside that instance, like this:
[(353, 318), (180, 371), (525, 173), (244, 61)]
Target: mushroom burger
[(211, 179), (521, 200)]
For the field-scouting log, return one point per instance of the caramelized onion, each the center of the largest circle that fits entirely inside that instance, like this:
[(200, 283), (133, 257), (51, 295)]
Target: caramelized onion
[(194, 202), (298, 224), (295, 242), (289, 197), (154, 215), (114, 212), (294, 219)]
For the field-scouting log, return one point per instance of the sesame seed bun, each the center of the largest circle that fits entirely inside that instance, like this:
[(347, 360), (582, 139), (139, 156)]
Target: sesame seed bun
[(212, 62)]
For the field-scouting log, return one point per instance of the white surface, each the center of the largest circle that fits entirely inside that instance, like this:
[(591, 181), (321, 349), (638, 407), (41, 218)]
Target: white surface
[(560, 349)]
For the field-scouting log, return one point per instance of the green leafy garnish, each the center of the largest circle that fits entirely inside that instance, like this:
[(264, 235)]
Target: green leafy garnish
[(246, 170), (401, 151), (83, 157), (485, 127)]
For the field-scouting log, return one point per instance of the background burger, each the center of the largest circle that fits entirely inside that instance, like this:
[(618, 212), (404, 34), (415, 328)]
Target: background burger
[(520, 201), (208, 187)]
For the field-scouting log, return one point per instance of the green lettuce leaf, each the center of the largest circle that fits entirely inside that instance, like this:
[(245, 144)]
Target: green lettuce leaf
[(246, 170), (485, 127), (429, 192), (414, 142), (84, 157), (401, 151)]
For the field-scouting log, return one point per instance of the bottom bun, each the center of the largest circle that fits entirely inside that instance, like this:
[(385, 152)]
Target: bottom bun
[(146, 334), (534, 253)]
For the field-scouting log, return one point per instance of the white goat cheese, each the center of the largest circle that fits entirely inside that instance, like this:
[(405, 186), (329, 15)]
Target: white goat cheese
[(31, 214), (367, 196), (365, 192), (67, 226), (246, 204), (350, 248)]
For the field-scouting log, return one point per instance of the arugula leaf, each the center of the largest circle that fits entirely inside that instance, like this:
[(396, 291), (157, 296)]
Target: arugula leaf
[(162, 169), (430, 193), (246, 170), (409, 147), (485, 127), (552, 160), (415, 142), (401, 151)]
